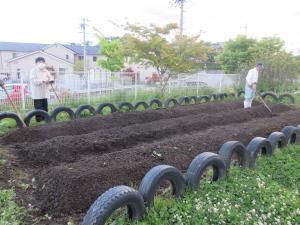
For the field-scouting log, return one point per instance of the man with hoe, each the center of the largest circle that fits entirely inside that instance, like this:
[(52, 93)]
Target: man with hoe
[(250, 87)]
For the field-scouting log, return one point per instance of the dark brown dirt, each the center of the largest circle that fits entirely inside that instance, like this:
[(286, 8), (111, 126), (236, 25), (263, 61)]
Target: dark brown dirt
[(73, 187), (87, 125), (72, 148), (74, 162)]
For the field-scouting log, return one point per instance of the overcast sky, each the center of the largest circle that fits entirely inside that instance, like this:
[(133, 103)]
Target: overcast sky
[(49, 21)]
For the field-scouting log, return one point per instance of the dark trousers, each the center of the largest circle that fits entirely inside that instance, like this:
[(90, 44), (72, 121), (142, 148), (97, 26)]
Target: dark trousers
[(40, 104)]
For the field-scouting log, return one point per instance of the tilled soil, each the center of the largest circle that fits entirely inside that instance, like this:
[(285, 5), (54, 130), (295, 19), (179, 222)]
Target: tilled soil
[(72, 148), (87, 125), (72, 168), (92, 175)]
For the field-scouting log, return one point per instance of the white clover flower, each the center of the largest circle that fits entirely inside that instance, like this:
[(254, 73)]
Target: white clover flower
[(215, 210)]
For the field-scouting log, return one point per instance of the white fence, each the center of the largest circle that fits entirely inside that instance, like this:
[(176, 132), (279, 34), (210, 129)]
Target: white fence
[(75, 89)]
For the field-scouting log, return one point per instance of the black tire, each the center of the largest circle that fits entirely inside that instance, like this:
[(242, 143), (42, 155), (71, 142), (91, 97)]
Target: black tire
[(155, 176), (184, 100), (205, 98), (157, 102), (111, 200), (290, 97), (240, 93), (277, 139), (100, 108), (81, 108), (232, 95), (195, 99), (37, 112), (60, 109), (271, 94), (234, 147), (292, 134), (11, 115), (220, 96), (171, 100), (213, 97), (200, 163), (123, 105), (258, 145), (138, 104)]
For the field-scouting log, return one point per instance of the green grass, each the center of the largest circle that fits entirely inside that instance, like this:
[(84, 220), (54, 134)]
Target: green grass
[(268, 194), (10, 212)]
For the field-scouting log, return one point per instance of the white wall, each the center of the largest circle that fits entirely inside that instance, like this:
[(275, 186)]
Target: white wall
[(8, 55), (91, 64), (25, 64), (60, 52)]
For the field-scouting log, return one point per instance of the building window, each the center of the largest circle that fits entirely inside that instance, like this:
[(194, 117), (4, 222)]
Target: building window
[(94, 58), (14, 55), (67, 57), (80, 57), (18, 73), (61, 71)]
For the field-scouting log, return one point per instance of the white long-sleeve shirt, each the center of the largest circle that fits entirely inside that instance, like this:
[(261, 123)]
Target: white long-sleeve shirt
[(39, 90), (252, 76)]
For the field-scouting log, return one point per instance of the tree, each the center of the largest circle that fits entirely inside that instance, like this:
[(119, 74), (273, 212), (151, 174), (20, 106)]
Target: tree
[(242, 53), (280, 66), (113, 53), (237, 55), (78, 66), (162, 49)]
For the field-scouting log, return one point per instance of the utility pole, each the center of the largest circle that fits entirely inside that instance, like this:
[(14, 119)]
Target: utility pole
[(85, 73), (83, 27), (181, 17)]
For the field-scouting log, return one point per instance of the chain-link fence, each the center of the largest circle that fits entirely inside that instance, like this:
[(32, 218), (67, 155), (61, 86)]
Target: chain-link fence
[(76, 88)]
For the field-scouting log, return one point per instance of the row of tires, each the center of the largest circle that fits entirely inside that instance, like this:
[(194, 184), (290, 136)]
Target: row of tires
[(136, 201), (273, 96), (184, 100)]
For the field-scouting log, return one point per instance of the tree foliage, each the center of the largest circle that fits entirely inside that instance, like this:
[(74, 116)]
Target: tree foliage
[(78, 66), (165, 50), (241, 54), (113, 53), (237, 54)]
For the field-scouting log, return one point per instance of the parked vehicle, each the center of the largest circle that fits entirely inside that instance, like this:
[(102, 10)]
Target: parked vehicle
[(154, 78), (14, 92)]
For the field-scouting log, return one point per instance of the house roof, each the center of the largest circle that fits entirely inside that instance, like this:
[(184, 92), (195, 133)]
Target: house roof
[(20, 47), (90, 50), (33, 47)]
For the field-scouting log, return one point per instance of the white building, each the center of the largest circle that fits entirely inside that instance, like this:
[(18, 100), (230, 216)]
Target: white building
[(20, 57)]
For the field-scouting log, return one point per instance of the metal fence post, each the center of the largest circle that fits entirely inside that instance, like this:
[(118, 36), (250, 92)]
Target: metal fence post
[(135, 86), (22, 91), (89, 87), (198, 80), (220, 85)]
